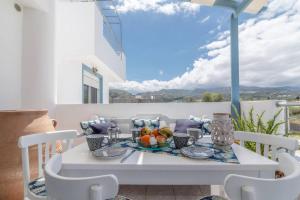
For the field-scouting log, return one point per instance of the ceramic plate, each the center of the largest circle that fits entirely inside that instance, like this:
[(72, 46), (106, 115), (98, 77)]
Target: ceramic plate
[(197, 152), (109, 152)]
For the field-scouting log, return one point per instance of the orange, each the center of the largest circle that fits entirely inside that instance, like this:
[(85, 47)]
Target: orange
[(145, 131), (155, 132), (145, 140), (161, 139)]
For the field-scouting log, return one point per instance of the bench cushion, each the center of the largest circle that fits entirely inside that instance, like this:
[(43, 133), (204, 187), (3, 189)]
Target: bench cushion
[(212, 198), (38, 187)]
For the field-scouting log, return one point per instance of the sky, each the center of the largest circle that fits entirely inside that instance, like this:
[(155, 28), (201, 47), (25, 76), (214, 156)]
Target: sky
[(176, 44)]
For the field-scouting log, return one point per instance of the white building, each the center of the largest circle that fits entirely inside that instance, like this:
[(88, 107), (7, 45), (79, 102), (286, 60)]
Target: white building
[(56, 52)]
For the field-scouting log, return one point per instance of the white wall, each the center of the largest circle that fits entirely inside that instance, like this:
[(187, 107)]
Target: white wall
[(75, 25), (69, 116), (41, 55), (38, 71), (78, 41), (36, 4), (10, 55), (105, 52)]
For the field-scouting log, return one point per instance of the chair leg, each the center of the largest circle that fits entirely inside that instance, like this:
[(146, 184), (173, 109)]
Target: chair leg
[(96, 192)]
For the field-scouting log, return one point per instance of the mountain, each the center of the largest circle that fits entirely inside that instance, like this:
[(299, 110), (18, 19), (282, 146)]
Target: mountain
[(184, 95)]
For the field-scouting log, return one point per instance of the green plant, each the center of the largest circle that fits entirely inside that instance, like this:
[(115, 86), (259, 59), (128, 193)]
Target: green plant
[(258, 125), (212, 97)]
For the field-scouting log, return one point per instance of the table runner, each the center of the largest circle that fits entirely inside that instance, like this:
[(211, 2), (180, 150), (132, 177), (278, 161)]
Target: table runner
[(220, 155)]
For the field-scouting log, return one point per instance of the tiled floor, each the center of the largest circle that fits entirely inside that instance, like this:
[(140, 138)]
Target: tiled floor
[(164, 192)]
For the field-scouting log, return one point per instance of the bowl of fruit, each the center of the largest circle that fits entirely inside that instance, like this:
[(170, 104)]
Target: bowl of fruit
[(156, 138)]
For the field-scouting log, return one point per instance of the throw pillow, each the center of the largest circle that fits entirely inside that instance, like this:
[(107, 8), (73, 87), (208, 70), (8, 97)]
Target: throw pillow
[(150, 123), (206, 124), (88, 129), (100, 128), (183, 124)]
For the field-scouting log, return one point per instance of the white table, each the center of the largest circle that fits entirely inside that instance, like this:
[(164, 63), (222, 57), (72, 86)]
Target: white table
[(144, 168)]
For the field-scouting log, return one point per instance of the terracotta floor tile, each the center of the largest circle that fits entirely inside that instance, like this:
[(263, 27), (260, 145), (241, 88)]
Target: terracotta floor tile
[(160, 193), (135, 192)]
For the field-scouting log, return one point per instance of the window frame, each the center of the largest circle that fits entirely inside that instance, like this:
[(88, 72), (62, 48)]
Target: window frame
[(99, 76)]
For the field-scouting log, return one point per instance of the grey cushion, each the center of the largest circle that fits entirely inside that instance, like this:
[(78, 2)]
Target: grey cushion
[(100, 128), (206, 124), (183, 124), (97, 126), (38, 187)]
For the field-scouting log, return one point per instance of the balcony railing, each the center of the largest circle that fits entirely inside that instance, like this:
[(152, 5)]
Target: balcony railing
[(292, 119)]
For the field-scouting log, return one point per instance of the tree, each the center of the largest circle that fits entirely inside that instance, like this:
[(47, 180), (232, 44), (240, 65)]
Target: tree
[(218, 97), (212, 97), (207, 97)]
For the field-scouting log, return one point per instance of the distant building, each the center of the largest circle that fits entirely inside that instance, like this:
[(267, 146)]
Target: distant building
[(138, 97)]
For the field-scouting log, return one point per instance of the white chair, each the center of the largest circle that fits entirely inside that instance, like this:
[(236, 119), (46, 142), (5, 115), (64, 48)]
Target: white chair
[(35, 189), (239, 187), (248, 188), (274, 143), (88, 188)]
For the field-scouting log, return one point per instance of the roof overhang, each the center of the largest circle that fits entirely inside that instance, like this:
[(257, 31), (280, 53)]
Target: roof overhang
[(248, 6)]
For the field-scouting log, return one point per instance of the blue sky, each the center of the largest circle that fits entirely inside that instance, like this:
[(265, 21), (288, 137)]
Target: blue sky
[(171, 44), (160, 46)]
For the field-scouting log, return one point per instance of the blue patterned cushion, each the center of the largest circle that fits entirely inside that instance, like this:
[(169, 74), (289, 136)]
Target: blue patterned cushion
[(86, 125), (150, 123), (120, 198), (38, 187), (206, 124), (212, 198)]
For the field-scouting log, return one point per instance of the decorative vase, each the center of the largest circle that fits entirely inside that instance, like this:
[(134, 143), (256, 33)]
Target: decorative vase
[(222, 130)]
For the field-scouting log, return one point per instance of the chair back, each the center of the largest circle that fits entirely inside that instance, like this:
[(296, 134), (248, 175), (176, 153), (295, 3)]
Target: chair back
[(270, 143), (67, 188), (239, 187), (46, 141)]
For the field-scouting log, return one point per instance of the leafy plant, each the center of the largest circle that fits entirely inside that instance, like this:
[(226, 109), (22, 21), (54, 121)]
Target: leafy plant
[(258, 125), (212, 97)]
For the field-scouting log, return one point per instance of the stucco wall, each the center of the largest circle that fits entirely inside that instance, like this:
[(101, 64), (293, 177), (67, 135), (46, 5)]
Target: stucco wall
[(79, 40), (75, 39), (38, 71), (104, 51), (10, 55)]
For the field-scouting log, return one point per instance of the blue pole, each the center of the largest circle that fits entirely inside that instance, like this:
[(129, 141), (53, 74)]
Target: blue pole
[(235, 82)]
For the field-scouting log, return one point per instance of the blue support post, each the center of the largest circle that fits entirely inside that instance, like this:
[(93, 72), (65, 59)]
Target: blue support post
[(235, 82)]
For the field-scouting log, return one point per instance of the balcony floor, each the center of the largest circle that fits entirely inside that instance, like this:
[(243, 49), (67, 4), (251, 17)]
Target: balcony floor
[(164, 192)]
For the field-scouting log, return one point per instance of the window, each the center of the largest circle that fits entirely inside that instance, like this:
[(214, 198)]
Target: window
[(85, 93), (94, 94), (92, 86)]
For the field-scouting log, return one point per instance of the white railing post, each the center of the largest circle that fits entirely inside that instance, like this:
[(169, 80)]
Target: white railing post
[(286, 118), (286, 106)]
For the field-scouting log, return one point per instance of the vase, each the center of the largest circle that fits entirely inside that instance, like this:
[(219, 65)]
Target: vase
[(222, 130)]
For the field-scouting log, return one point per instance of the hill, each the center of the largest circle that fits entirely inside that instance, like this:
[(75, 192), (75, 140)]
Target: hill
[(184, 95)]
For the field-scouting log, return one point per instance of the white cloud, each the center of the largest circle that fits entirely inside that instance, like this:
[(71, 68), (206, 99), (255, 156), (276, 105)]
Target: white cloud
[(204, 20), (211, 32), (161, 72), (160, 6), (269, 54)]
